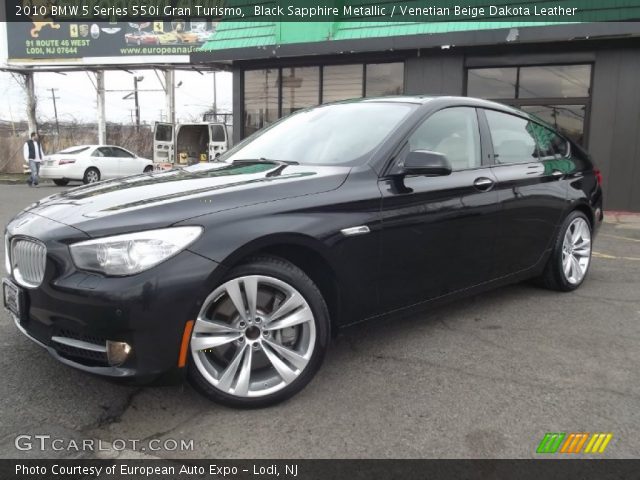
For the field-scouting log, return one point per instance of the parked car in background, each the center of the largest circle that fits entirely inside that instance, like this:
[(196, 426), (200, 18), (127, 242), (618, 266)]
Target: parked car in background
[(188, 37), (236, 272), (203, 35), (188, 143), (168, 38), (141, 38), (92, 163)]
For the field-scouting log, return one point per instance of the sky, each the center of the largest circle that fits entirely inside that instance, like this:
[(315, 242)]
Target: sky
[(77, 97)]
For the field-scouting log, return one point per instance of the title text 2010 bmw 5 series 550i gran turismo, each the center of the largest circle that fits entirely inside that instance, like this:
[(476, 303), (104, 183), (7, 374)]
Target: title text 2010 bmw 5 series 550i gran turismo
[(236, 273)]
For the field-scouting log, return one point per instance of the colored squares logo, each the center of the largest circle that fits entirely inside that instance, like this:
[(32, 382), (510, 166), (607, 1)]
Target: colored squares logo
[(574, 442), (598, 443)]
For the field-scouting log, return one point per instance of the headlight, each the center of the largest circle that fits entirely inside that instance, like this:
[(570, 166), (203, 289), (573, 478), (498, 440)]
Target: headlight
[(134, 252)]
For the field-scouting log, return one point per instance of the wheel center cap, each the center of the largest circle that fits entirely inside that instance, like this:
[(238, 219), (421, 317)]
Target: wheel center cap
[(252, 333)]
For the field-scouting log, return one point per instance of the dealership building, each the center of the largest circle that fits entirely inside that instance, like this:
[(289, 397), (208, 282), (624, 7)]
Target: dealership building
[(584, 78)]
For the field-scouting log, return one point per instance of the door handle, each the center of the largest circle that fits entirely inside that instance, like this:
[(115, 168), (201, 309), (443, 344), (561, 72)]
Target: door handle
[(483, 184)]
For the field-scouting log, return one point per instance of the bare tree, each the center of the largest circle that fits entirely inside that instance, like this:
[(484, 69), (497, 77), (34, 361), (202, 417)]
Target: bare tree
[(25, 80)]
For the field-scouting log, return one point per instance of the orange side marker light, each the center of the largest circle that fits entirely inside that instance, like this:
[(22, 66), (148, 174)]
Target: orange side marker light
[(184, 346)]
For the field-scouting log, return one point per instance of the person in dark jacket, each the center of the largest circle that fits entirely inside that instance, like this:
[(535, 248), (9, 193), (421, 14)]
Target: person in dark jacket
[(32, 153)]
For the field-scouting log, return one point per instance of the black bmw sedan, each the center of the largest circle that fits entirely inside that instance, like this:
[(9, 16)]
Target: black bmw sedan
[(235, 274)]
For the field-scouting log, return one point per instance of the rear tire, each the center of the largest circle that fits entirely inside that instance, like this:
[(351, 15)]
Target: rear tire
[(91, 175), (570, 258), (262, 358), (61, 182)]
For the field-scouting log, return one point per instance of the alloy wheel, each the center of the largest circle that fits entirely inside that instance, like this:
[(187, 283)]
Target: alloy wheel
[(92, 176), (254, 335), (576, 251)]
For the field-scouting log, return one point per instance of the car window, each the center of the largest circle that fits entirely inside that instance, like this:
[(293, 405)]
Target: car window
[(217, 133), (514, 138), (102, 152), (338, 134), (550, 144), (164, 133), (453, 132), (120, 152), (73, 150)]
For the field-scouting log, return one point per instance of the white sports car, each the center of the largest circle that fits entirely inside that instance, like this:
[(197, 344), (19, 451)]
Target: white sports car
[(92, 163)]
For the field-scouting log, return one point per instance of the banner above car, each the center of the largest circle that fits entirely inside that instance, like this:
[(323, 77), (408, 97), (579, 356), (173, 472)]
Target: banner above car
[(97, 29), (73, 40)]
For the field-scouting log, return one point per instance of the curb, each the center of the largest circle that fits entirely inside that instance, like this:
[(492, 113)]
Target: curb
[(18, 182), (13, 182), (622, 218)]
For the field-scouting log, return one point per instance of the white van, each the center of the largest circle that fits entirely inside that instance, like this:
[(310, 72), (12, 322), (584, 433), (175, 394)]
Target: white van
[(188, 143)]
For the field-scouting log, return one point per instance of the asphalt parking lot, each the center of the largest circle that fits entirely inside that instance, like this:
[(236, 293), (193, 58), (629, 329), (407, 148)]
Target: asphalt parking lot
[(485, 377)]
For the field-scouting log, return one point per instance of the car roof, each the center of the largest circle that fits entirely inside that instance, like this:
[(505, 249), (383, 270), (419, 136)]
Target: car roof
[(424, 99), (444, 101), (94, 145), (450, 100), (91, 145), (74, 147)]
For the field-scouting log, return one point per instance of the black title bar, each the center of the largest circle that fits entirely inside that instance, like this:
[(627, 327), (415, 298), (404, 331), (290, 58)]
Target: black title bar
[(320, 10)]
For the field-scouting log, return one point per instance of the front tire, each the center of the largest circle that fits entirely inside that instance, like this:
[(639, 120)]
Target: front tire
[(61, 182), (260, 336), (570, 259), (91, 175)]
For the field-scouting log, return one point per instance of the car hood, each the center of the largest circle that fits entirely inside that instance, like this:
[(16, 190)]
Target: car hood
[(162, 199)]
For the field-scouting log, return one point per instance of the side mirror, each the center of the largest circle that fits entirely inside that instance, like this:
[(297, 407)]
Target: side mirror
[(425, 162)]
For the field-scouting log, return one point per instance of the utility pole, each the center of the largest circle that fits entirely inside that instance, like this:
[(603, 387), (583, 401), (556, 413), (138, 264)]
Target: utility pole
[(170, 95), (215, 98), (102, 122), (137, 79), (55, 110), (136, 103)]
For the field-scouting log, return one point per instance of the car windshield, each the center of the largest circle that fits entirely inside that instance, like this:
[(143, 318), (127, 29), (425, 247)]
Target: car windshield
[(73, 150), (339, 134)]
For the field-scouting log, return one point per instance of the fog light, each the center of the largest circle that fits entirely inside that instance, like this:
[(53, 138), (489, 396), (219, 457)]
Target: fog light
[(117, 352)]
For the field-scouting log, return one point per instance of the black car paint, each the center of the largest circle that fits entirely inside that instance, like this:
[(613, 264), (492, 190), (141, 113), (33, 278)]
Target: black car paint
[(430, 238)]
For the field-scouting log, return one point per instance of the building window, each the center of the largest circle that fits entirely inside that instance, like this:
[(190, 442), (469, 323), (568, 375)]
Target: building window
[(341, 82), (554, 81), (300, 88), (260, 99), (493, 83), (558, 94), (384, 79), (273, 93)]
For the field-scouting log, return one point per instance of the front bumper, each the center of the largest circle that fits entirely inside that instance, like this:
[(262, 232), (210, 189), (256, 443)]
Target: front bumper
[(73, 313), (98, 370)]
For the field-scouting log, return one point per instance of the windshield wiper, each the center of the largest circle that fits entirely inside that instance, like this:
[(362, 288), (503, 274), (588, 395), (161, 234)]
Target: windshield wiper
[(266, 160)]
